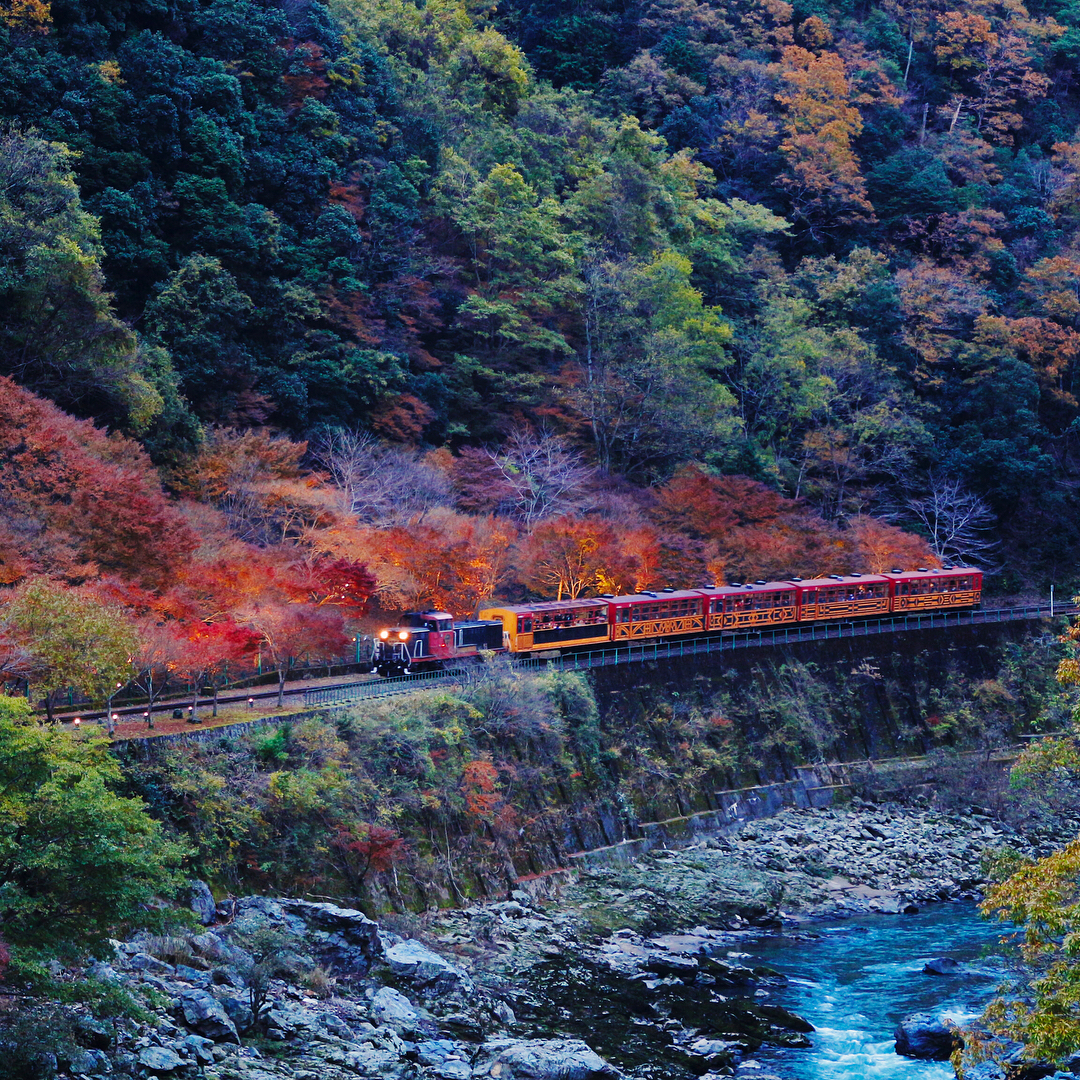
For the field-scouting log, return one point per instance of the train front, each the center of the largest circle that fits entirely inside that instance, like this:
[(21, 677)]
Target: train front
[(398, 648)]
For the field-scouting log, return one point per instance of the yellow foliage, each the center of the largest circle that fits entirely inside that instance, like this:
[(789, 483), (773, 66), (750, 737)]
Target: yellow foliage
[(27, 16)]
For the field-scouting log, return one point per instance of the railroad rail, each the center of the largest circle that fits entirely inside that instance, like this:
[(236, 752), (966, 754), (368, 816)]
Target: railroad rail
[(712, 644)]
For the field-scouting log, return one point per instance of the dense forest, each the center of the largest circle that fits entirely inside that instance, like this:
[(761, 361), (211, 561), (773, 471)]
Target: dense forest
[(312, 311), (307, 304)]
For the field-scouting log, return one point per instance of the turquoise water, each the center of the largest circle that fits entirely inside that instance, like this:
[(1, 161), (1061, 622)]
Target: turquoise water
[(859, 978)]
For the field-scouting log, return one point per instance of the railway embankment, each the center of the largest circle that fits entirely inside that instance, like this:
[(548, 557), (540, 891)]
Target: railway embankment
[(461, 792)]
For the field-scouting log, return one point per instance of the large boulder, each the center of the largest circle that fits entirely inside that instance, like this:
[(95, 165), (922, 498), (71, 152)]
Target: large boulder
[(201, 901), (160, 1059), (256, 914), (210, 946), (926, 1037), (394, 1009), (347, 939), (238, 1009), (541, 1059), (206, 1015), (88, 1063), (142, 961), (419, 965)]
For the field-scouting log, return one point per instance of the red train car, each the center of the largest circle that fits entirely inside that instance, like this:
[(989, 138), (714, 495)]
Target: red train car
[(932, 590)]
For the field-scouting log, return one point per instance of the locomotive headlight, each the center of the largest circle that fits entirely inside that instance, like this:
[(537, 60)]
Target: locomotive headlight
[(403, 635), (384, 634)]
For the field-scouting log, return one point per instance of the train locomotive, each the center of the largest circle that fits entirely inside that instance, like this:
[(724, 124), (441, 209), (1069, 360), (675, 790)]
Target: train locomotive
[(430, 639)]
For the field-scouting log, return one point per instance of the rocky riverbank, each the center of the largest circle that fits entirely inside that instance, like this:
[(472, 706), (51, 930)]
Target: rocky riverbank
[(638, 970)]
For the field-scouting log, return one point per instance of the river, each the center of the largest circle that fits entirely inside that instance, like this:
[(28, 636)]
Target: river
[(856, 980)]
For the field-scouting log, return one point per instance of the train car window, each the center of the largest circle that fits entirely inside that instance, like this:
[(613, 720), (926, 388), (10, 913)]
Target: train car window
[(584, 616), (525, 624), (622, 615)]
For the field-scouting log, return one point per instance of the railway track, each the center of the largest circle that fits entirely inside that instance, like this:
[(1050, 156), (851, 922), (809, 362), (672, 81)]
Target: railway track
[(372, 686)]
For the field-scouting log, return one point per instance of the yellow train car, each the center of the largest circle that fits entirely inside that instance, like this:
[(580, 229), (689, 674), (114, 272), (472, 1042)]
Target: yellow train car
[(551, 624)]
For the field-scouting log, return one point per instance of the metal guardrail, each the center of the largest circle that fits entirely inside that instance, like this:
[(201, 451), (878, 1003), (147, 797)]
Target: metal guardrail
[(697, 646), (376, 688)]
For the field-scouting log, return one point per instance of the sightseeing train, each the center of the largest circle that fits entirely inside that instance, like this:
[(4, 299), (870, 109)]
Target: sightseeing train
[(431, 638)]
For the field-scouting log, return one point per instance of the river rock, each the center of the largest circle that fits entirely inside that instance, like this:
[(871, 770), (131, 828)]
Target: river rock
[(202, 903), (391, 1007), (924, 1036), (984, 1070), (206, 1015), (160, 1059), (941, 965), (412, 961), (541, 1059), (88, 1063)]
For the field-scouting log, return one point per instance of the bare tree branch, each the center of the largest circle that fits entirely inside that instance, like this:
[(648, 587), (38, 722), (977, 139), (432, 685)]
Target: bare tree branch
[(380, 485), (956, 522)]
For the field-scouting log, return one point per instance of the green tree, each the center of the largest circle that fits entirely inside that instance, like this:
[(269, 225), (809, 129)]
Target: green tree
[(59, 334), (76, 858), (1042, 897), (14, 709), (202, 313), (646, 383), (521, 259), (74, 640)]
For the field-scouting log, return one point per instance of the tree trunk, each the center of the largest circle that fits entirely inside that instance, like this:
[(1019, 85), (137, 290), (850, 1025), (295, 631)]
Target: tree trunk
[(956, 115)]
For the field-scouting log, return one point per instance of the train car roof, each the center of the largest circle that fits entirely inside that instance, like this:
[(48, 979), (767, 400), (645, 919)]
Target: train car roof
[(548, 605), (946, 571), (652, 595), (754, 586), (843, 579)]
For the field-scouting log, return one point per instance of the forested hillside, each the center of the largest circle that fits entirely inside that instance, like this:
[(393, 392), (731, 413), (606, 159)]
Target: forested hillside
[(468, 294)]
